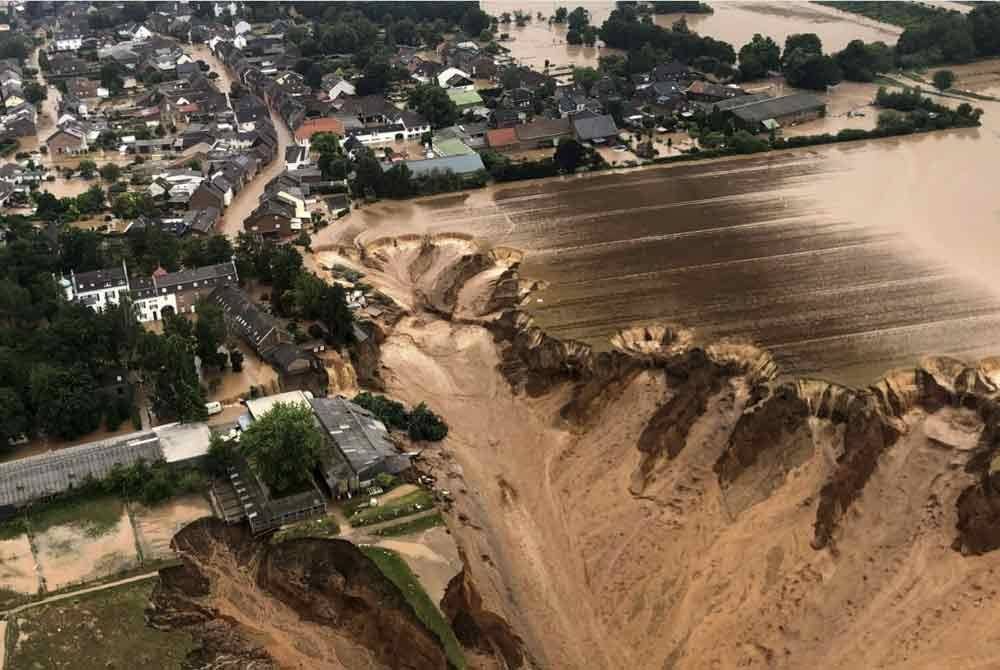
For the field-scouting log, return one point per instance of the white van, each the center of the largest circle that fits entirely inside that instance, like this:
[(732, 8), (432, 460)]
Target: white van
[(214, 407)]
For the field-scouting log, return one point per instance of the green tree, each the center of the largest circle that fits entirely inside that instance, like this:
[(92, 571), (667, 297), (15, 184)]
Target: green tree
[(35, 92), (110, 172), (578, 19), (283, 447), (87, 168), (586, 77), (569, 154), (758, 56), (560, 15), (807, 43), (861, 62), (90, 201), (812, 71), (590, 36), (475, 21), (210, 332), (14, 418), (423, 424), (943, 79), (66, 401), (433, 103), (168, 361), (573, 37)]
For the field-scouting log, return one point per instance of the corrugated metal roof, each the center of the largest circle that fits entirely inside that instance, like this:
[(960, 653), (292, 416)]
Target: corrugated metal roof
[(361, 439)]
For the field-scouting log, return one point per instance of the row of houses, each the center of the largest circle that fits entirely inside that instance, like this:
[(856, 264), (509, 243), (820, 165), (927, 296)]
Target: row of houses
[(152, 297)]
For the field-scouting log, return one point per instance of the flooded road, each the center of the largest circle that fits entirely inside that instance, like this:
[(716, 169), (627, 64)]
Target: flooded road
[(246, 200), (844, 261), (733, 22)]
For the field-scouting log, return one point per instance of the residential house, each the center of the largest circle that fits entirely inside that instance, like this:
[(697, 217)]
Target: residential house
[(335, 86), (279, 216), (67, 41), (206, 196), (543, 132), (517, 98), (178, 292), (70, 138), (667, 95), (596, 129), (296, 156), (453, 78), (703, 91), (98, 289), (201, 221), (502, 139)]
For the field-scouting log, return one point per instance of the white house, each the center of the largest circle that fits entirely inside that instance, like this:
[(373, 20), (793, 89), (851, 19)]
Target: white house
[(454, 78), (68, 42), (220, 8), (141, 34), (97, 289), (340, 87), (242, 27), (240, 42)]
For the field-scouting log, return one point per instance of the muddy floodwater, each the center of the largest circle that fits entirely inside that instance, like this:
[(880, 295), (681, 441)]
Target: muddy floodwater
[(733, 22), (843, 261)]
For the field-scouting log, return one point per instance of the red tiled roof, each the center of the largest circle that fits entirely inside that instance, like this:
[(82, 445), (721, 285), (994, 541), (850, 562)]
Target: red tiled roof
[(501, 137), (325, 125)]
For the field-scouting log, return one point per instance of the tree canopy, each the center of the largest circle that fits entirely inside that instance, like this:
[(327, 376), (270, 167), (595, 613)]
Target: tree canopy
[(283, 447), (758, 56), (433, 103)]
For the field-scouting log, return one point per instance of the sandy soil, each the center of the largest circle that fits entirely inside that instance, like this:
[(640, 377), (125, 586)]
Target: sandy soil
[(432, 555), (67, 555), (156, 526), (17, 567), (596, 572), (290, 640)]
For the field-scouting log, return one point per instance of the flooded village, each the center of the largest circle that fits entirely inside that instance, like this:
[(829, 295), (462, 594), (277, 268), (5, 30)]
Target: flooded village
[(494, 335)]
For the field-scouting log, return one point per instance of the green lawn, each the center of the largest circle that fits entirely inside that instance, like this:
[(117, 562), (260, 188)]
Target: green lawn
[(95, 632), (411, 503), (408, 527), (399, 573), (325, 527), (96, 515)]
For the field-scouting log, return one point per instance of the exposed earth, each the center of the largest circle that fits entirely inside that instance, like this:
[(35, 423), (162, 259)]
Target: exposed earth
[(668, 504)]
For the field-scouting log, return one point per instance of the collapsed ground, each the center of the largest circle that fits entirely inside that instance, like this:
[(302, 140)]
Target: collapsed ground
[(667, 508)]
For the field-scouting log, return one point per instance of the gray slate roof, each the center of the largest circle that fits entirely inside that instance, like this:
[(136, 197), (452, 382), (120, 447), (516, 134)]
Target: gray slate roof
[(594, 127)]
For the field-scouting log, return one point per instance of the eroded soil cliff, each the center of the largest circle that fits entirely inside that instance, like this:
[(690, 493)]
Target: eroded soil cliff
[(674, 503)]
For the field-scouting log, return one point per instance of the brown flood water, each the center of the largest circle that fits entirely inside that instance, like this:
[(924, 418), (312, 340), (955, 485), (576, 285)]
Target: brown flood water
[(844, 261), (733, 22)]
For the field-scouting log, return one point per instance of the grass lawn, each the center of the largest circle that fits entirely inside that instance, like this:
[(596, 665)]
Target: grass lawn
[(325, 527), (96, 515), (408, 527), (95, 632), (399, 573), (411, 503)]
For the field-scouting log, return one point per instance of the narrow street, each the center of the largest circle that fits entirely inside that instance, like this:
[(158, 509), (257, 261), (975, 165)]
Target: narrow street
[(246, 201)]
